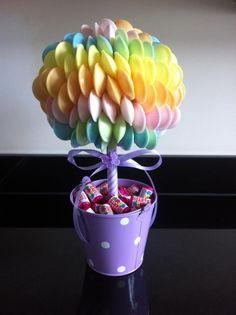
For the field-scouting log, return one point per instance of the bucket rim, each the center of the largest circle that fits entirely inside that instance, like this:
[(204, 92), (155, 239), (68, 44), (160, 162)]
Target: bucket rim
[(122, 215)]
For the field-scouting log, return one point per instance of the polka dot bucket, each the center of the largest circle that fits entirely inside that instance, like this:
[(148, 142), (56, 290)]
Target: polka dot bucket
[(114, 244)]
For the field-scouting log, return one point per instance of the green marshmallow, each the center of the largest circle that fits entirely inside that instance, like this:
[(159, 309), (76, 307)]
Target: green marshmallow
[(104, 146), (122, 34), (136, 47), (105, 128), (112, 144), (121, 47), (81, 135), (119, 129), (148, 49), (99, 144), (152, 143), (104, 44)]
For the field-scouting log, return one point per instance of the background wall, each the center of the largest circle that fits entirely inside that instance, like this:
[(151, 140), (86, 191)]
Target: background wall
[(201, 34)]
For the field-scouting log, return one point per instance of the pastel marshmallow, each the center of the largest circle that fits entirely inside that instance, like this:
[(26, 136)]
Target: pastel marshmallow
[(153, 118), (166, 117), (60, 116), (139, 122), (127, 110), (109, 108), (74, 117), (83, 109), (175, 118), (94, 105)]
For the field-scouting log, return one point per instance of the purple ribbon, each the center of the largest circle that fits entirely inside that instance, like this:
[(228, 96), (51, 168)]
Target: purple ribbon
[(111, 159)]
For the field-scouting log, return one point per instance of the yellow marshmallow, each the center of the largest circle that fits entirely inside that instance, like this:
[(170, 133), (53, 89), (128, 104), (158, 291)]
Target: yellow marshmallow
[(99, 80), (126, 84), (108, 64), (85, 80), (113, 90), (64, 102)]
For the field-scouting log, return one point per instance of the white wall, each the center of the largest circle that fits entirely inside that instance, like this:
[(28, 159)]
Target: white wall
[(201, 33)]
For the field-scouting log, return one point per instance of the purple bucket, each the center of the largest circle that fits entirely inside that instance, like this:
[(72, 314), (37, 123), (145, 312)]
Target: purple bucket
[(114, 244)]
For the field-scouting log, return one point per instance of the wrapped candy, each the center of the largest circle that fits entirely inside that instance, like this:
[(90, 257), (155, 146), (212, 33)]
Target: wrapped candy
[(93, 194), (146, 192), (84, 202), (105, 209), (133, 189), (127, 201), (123, 192), (103, 188), (138, 202), (117, 205)]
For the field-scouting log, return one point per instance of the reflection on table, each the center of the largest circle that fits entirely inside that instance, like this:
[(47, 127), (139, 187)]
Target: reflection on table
[(105, 295)]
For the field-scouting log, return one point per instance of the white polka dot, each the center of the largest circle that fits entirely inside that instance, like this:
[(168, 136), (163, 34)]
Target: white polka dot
[(141, 259), (91, 262), (124, 221), (121, 269), (137, 240), (105, 245)]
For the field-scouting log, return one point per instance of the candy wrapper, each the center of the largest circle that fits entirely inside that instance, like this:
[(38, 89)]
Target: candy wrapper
[(126, 202), (103, 188), (146, 192), (93, 193), (133, 190)]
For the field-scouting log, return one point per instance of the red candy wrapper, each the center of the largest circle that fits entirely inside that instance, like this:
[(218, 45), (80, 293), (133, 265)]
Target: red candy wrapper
[(146, 192), (95, 207), (103, 188), (117, 205), (93, 193), (123, 192), (133, 190), (84, 202), (138, 202), (126, 199), (105, 209)]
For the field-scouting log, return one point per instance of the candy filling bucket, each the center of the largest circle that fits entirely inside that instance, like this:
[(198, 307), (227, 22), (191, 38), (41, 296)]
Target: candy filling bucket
[(114, 244)]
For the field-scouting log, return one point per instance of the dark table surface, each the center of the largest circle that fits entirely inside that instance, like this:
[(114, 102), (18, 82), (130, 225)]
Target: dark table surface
[(43, 271)]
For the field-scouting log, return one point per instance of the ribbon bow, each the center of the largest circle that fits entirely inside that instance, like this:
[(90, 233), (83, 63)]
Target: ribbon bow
[(112, 159)]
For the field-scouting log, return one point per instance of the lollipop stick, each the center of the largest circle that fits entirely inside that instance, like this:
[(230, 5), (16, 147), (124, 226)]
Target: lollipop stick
[(112, 179)]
